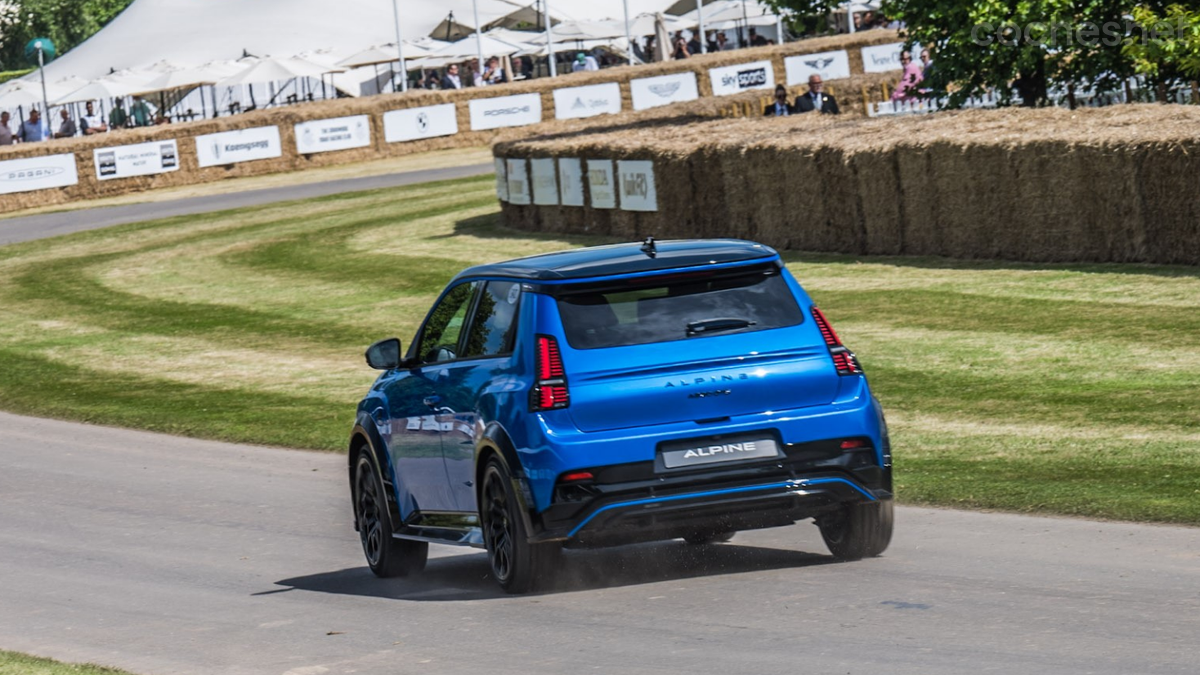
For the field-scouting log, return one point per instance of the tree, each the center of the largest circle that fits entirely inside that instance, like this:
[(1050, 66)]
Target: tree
[(1170, 53), (66, 22)]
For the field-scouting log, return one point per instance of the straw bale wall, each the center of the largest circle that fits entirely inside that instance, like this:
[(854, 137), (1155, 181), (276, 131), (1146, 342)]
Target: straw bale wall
[(285, 118), (1118, 184)]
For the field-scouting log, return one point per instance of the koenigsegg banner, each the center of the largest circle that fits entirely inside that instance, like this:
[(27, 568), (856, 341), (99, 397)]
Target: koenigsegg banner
[(742, 77), (140, 159), (545, 182), (570, 180), (601, 183), (414, 124), (505, 111), (518, 182), (339, 133), (37, 173), (597, 99), (651, 92), (501, 178), (243, 145), (882, 58), (637, 185), (829, 65)]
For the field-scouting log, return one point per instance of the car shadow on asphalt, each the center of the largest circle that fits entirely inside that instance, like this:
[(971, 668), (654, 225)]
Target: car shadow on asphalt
[(468, 577)]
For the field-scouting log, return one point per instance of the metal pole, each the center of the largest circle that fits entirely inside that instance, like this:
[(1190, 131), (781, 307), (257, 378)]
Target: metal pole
[(550, 41), (850, 16), (628, 40), (45, 99), (700, 18), (399, 49), (478, 39), (779, 27)]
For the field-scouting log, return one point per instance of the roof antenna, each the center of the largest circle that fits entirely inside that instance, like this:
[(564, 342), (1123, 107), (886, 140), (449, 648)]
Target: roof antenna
[(649, 248)]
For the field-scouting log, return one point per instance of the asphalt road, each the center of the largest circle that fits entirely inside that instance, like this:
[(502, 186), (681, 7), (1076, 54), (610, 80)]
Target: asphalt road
[(168, 555), (40, 226)]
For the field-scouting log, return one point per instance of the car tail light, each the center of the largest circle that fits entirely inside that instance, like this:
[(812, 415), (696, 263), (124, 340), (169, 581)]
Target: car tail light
[(843, 359), (576, 476), (550, 390)]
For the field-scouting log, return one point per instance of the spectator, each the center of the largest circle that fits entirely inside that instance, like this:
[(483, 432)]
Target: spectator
[(518, 69), (649, 49), (757, 40), (909, 88), (34, 129), (723, 42), (451, 80), (927, 66), (712, 42), (161, 119), (67, 128), (694, 44), (139, 112), (431, 81), (91, 123), (816, 98), (475, 73), (118, 118), (681, 50), (780, 107), (6, 134), (584, 62), (493, 73)]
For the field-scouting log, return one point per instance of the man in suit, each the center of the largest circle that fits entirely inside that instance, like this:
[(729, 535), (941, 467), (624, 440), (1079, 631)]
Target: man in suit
[(780, 107), (816, 98), (451, 80)]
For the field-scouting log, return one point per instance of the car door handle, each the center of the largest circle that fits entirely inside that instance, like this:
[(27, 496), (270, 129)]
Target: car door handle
[(432, 401)]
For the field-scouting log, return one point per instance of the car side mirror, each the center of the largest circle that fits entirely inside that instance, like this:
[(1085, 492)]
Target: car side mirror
[(384, 355)]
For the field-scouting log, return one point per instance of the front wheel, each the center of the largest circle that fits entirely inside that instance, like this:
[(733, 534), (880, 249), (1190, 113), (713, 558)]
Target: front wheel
[(386, 555), (858, 531), (519, 566)]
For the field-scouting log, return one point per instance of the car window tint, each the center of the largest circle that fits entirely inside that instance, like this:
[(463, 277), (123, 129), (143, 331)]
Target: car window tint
[(439, 339), (495, 318)]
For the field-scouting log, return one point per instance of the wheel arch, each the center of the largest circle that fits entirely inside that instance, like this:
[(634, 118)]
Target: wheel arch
[(495, 442), (366, 437)]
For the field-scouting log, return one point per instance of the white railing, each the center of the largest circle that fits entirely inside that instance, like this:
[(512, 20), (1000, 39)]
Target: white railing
[(1084, 98)]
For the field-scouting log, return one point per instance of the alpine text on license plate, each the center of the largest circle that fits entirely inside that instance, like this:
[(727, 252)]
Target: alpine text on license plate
[(715, 452)]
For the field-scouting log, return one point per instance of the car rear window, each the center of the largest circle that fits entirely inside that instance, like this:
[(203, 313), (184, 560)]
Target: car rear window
[(680, 307)]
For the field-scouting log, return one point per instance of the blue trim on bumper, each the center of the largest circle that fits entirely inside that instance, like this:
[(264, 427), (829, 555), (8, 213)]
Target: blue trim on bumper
[(801, 483)]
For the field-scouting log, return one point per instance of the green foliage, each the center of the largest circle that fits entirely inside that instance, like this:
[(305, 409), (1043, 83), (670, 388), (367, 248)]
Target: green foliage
[(1172, 51), (13, 663), (66, 22)]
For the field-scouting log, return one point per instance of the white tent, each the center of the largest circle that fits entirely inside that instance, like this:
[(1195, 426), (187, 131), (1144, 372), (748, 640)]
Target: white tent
[(103, 88), (21, 93), (277, 70)]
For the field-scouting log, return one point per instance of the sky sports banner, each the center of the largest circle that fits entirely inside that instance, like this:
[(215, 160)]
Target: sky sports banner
[(829, 65), (743, 77), (243, 145), (601, 183), (518, 182), (501, 178), (544, 177), (414, 124), (37, 173), (651, 92), (570, 180), (141, 159), (882, 58), (505, 111), (338, 133), (637, 185), (597, 99)]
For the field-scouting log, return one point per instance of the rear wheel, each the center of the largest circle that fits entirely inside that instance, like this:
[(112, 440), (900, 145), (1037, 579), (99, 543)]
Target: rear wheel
[(519, 566), (386, 555), (858, 530), (702, 539)]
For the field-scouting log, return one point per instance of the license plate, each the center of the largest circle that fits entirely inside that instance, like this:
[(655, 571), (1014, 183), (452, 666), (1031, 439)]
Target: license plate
[(718, 451)]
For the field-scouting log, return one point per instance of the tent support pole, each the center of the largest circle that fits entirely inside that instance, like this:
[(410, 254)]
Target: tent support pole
[(700, 30), (478, 40), (550, 41), (628, 40), (400, 47)]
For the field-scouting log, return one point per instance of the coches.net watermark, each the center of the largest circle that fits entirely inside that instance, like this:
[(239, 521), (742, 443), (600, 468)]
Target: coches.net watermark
[(1086, 34)]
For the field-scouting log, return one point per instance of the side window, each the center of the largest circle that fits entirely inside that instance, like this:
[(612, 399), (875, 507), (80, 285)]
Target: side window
[(495, 319), (439, 339)]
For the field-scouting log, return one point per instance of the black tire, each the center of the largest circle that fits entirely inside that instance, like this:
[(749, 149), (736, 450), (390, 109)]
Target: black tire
[(517, 565), (386, 555), (703, 539), (858, 530)]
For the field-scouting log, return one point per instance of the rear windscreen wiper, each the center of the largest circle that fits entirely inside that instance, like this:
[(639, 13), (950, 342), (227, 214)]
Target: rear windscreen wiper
[(714, 325)]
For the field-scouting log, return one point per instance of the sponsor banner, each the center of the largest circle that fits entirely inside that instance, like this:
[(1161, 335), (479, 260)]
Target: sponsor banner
[(602, 183), (501, 178), (37, 173), (338, 133), (545, 182), (637, 185), (598, 99), (651, 92), (829, 65), (742, 77), (413, 124), (243, 145), (518, 182), (882, 58), (505, 111), (141, 159), (570, 180)]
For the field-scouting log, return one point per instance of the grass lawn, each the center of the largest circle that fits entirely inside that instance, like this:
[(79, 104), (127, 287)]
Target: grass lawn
[(1059, 389), (12, 663)]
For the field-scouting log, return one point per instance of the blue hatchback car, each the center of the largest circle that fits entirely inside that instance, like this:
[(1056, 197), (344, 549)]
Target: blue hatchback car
[(617, 394)]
